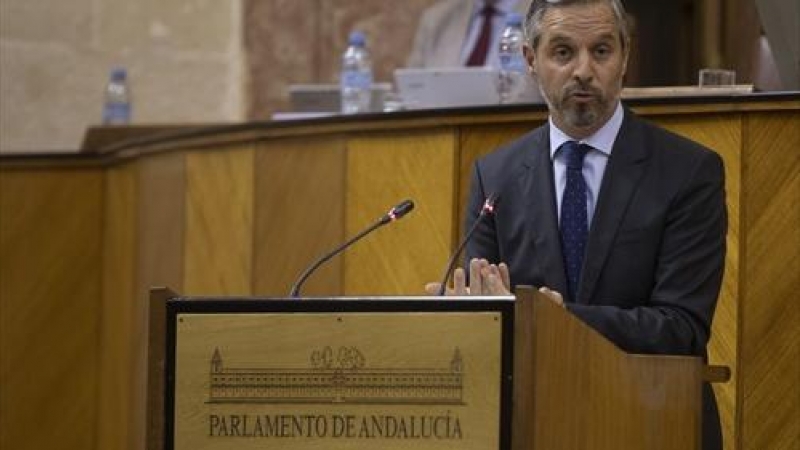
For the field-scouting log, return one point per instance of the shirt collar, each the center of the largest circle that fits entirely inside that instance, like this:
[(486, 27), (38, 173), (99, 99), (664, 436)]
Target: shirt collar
[(602, 140)]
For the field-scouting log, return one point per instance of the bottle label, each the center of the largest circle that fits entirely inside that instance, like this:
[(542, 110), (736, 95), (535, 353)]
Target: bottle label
[(357, 79), (513, 62), (117, 113)]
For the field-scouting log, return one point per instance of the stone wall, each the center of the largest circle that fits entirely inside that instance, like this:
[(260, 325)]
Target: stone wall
[(188, 61), (184, 59)]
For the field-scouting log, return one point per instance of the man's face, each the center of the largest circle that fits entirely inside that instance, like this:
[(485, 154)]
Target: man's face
[(579, 63)]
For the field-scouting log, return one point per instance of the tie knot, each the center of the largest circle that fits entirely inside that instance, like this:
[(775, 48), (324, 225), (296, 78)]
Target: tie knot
[(574, 154), (488, 10)]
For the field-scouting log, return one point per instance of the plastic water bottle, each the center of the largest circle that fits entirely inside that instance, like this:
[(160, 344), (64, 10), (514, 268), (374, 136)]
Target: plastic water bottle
[(513, 67), (356, 76), (117, 104)]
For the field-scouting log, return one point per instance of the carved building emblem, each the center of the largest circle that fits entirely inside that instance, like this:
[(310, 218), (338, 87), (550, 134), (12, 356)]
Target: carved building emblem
[(341, 376)]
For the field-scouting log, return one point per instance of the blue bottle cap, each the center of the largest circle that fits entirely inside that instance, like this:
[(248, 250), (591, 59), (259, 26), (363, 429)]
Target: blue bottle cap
[(514, 19), (357, 39)]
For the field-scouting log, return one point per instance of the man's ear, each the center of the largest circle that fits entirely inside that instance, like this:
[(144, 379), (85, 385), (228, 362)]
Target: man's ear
[(530, 57)]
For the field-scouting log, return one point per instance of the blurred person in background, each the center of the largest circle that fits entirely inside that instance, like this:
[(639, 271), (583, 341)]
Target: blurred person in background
[(462, 33)]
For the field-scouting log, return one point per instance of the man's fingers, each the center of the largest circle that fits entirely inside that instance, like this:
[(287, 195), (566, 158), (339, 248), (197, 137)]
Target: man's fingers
[(433, 288), (505, 276), (494, 281), (460, 282), (475, 277), (494, 285), (484, 279), (555, 296)]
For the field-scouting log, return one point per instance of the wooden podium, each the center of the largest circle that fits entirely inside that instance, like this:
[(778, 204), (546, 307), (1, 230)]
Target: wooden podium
[(390, 373), (573, 389)]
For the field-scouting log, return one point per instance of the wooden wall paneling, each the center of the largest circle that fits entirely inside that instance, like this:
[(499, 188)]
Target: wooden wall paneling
[(382, 170), (119, 304), (723, 134), (50, 269), (219, 223), (290, 25), (340, 17), (161, 223), (299, 213), (78, 263), (476, 141), (740, 31), (770, 335), (708, 27)]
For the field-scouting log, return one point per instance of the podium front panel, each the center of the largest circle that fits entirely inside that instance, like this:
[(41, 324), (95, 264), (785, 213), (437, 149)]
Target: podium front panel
[(338, 374)]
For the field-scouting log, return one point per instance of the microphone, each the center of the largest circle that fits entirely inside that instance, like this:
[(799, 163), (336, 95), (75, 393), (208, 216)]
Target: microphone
[(394, 214), (487, 210)]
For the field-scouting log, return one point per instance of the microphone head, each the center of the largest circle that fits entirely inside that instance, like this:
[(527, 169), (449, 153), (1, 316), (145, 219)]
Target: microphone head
[(395, 213), (490, 204), (398, 211)]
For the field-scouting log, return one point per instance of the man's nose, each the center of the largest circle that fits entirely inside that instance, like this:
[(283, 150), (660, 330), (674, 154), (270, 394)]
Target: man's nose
[(584, 68)]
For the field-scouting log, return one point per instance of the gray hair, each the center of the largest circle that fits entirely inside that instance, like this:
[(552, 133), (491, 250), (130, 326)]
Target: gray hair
[(538, 8)]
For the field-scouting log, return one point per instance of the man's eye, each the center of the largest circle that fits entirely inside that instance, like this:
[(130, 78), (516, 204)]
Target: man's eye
[(562, 53), (602, 51)]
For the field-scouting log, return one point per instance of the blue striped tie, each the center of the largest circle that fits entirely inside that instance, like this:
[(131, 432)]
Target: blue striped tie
[(574, 218)]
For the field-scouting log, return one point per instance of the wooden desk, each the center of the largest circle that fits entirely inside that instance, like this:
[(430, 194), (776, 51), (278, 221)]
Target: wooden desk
[(241, 209)]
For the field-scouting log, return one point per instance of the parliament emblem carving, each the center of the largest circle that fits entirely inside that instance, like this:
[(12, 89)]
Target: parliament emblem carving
[(338, 376)]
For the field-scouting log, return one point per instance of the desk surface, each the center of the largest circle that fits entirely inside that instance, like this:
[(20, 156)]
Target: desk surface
[(109, 144)]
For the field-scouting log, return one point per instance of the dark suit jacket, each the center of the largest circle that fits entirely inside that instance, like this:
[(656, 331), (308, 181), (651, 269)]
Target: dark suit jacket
[(656, 247)]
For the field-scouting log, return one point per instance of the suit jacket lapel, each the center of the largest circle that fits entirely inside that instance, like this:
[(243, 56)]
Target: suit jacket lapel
[(623, 173), (540, 212)]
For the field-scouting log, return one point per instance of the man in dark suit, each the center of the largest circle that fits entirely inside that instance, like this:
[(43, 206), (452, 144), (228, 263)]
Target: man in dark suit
[(619, 221)]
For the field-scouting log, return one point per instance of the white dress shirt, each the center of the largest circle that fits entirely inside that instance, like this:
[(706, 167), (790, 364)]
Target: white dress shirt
[(594, 164)]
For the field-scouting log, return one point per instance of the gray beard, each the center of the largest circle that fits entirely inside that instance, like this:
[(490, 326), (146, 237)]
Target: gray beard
[(581, 116)]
